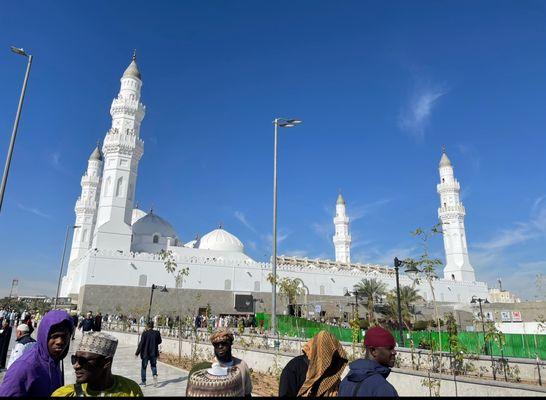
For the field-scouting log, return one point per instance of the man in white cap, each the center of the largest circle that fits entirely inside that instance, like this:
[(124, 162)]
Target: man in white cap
[(23, 342), (93, 367)]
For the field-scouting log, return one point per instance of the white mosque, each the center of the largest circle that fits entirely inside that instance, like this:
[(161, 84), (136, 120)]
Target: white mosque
[(114, 255)]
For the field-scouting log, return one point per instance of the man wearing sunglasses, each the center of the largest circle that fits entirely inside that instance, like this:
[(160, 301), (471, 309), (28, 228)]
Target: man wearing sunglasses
[(93, 367), (222, 341)]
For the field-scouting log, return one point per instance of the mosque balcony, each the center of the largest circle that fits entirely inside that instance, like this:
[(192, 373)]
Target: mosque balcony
[(451, 211), (90, 180), (126, 142), (85, 204), (448, 186)]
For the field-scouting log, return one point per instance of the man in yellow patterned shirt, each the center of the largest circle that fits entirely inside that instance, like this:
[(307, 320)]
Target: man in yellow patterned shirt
[(93, 367)]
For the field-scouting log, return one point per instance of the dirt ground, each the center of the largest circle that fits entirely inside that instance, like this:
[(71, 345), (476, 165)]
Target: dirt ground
[(262, 384)]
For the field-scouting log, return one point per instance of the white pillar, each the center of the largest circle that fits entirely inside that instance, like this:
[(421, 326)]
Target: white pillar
[(451, 214), (342, 238)]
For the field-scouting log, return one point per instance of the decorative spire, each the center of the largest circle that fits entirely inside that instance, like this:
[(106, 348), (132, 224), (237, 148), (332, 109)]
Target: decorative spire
[(132, 70), (96, 155), (340, 199), (444, 161)]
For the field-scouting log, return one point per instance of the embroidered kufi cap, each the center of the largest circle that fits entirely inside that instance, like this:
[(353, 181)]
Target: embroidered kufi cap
[(99, 343)]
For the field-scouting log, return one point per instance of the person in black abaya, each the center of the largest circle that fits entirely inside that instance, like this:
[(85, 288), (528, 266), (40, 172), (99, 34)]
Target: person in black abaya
[(5, 337)]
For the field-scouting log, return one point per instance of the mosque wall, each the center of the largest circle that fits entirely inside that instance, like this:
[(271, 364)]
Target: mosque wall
[(216, 281)]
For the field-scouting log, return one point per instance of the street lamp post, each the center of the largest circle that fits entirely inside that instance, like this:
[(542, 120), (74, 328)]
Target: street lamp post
[(478, 300), (68, 227), (163, 290), (15, 124), (355, 304), (283, 123)]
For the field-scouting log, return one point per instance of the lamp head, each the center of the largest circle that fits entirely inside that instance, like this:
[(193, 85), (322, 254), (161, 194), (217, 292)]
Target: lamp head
[(347, 294), (473, 301), (164, 289), (19, 51), (486, 301)]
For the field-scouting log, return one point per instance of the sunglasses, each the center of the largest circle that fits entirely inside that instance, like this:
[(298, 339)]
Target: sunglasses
[(218, 344), (84, 362)]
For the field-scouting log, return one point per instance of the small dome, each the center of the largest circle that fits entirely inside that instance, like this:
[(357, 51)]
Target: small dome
[(340, 199), (96, 155), (150, 224), (444, 161), (221, 240), (191, 244), (137, 214), (132, 70)]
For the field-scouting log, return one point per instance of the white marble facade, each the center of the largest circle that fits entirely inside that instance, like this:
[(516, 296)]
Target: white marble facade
[(117, 244)]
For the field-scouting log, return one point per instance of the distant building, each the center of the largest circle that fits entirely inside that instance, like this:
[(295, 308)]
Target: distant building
[(502, 296)]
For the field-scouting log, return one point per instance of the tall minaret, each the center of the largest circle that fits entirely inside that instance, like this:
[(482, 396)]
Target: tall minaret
[(86, 206), (451, 214), (342, 239), (122, 151)]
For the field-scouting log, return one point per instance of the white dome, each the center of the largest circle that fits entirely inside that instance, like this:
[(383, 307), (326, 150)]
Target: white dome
[(221, 240), (151, 224), (137, 214)]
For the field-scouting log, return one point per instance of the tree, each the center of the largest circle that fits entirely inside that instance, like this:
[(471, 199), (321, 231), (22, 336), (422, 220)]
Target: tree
[(180, 273), (424, 267), (371, 289), (289, 288), (408, 297)]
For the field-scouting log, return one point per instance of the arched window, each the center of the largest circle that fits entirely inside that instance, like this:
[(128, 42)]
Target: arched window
[(321, 289), (119, 187), (227, 284), (443, 180), (84, 235), (155, 238), (256, 286), (107, 186), (452, 277), (142, 280)]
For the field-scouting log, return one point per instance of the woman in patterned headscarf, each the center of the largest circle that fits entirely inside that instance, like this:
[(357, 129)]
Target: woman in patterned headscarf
[(317, 371)]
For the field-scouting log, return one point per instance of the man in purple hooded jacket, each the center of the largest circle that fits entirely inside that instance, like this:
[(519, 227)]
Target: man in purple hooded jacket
[(38, 372)]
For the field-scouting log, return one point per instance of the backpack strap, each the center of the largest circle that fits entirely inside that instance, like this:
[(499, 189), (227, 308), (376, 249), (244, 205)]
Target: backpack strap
[(78, 389)]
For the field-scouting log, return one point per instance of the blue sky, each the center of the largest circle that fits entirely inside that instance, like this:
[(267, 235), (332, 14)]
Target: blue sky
[(380, 87)]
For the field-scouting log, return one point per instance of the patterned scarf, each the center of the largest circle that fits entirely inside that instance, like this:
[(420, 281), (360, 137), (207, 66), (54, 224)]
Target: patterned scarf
[(327, 359)]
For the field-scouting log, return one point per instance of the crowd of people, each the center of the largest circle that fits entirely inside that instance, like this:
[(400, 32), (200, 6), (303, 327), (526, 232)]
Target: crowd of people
[(321, 370)]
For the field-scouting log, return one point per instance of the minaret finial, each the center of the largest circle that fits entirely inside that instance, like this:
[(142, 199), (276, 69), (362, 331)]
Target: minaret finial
[(443, 149), (134, 55), (220, 225)]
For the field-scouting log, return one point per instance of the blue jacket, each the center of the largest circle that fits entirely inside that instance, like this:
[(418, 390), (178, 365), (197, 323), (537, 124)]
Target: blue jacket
[(373, 377)]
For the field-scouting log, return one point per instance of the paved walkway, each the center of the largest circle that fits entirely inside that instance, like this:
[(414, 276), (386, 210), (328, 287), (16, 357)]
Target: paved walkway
[(171, 380)]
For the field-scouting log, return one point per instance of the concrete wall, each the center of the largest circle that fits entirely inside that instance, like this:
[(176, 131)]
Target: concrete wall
[(407, 383)]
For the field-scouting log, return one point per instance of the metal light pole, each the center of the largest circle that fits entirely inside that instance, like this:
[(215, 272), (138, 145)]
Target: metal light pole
[(410, 268), (163, 290), (68, 227), (397, 264), (15, 124), (485, 301), (283, 123)]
